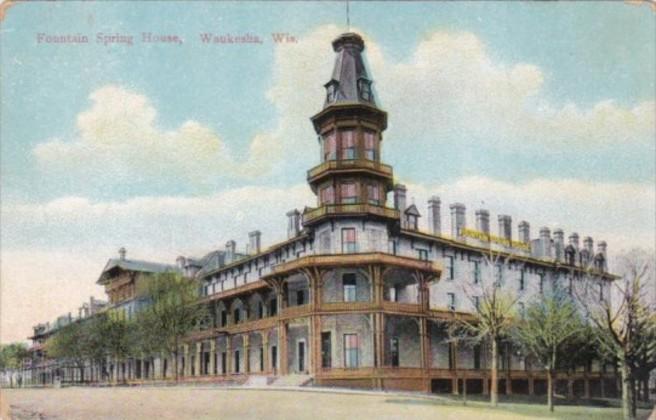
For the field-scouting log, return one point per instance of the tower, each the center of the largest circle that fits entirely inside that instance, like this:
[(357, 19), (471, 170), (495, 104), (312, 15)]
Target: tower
[(350, 180)]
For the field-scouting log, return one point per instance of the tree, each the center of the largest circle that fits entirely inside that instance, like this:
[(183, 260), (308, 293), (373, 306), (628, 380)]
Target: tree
[(116, 333), (626, 328), (493, 311), (69, 344), (11, 358), (172, 311), (549, 325)]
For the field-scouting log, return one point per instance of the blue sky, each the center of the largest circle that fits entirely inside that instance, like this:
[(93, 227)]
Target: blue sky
[(544, 110)]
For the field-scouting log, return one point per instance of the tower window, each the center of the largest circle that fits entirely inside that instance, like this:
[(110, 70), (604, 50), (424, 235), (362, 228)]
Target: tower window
[(348, 144), (329, 146), (373, 194), (327, 195), (370, 145), (449, 267), (348, 193), (451, 299)]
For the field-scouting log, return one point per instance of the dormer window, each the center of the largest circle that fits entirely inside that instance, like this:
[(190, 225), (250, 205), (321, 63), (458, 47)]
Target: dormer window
[(331, 91), (364, 87)]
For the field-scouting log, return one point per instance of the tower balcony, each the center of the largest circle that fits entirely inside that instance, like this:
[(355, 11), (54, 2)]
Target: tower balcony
[(349, 166), (312, 215)]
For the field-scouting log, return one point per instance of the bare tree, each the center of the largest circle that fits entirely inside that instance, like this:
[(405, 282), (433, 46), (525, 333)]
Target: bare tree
[(493, 309), (626, 326)]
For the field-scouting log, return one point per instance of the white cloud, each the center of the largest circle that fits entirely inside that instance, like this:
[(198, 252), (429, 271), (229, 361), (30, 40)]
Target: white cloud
[(450, 88)]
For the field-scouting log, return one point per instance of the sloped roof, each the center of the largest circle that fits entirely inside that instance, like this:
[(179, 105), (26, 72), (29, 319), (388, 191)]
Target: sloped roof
[(134, 265), (412, 210), (349, 68)]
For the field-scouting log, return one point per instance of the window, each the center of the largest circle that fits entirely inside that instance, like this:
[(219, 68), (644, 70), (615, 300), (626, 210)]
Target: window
[(348, 144), (331, 88), (273, 307), (477, 272), (423, 254), (365, 89), (452, 356), (449, 267), (412, 222), (370, 145), (522, 282), (274, 357), (327, 195), (570, 286), (326, 350), (477, 356), (300, 297), (394, 351), (373, 194), (261, 359), (394, 293), (349, 245), (224, 318), (236, 314), (451, 299), (348, 280), (477, 302), (541, 282), (260, 310), (236, 361), (301, 356), (351, 351), (521, 308), (348, 193), (499, 275), (601, 292), (330, 146)]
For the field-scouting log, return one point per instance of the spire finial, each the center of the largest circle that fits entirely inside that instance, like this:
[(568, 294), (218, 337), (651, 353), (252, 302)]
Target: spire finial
[(348, 17)]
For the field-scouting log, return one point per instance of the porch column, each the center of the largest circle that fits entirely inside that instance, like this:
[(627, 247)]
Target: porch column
[(315, 340), (424, 343), (247, 354), (197, 360), (570, 387), (265, 350), (212, 366), (282, 342), (586, 388), (531, 385), (454, 380), (187, 361), (228, 355)]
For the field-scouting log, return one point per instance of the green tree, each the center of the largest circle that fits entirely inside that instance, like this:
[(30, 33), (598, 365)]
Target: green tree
[(11, 358), (171, 313), (69, 344), (116, 333), (548, 326)]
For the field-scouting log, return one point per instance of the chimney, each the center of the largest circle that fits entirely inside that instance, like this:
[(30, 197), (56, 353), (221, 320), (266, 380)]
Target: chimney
[(574, 240), (458, 221), (505, 227), (181, 262), (559, 244), (254, 242), (434, 216), (399, 202), (601, 248), (230, 251), (293, 223), (121, 253), (545, 241), (524, 230), (588, 244), (483, 221)]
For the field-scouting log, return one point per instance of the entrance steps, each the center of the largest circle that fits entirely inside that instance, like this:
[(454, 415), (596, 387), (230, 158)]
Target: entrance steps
[(257, 381), (293, 380)]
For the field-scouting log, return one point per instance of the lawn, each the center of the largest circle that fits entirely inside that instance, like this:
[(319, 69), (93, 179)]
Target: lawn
[(196, 402)]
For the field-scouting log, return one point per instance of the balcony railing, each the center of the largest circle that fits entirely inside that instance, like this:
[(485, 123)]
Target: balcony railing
[(312, 214), (350, 164)]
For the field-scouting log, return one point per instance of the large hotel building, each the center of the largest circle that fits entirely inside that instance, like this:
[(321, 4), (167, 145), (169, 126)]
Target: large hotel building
[(357, 295)]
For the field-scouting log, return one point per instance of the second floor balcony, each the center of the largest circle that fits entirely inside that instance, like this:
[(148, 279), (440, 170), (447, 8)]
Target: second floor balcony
[(349, 166)]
